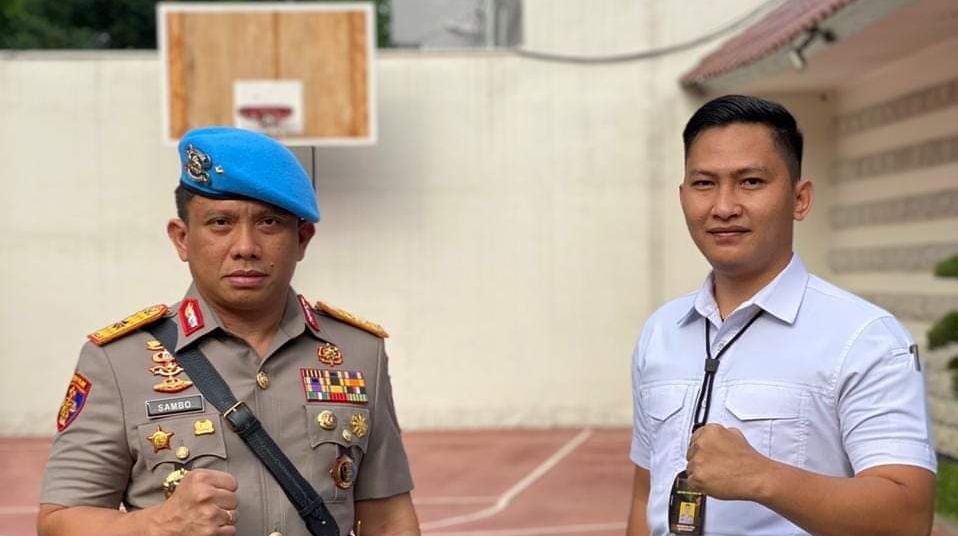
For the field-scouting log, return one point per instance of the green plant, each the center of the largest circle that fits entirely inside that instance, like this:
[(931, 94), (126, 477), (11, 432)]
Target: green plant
[(947, 267), (946, 500), (945, 331)]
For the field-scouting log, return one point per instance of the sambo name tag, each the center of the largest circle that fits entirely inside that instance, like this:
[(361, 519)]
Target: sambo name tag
[(172, 406)]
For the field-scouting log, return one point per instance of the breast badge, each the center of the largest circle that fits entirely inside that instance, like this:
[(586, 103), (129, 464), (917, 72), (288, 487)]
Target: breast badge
[(346, 386), (73, 402), (327, 420), (160, 439), (329, 355), (203, 427), (359, 425), (343, 472), (167, 367), (172, 480)]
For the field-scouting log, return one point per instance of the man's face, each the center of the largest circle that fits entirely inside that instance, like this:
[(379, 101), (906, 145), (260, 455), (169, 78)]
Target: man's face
[(739, 200), (242, 254)]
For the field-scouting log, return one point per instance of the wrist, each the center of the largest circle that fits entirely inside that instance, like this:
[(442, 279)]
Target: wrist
[(768, 479)]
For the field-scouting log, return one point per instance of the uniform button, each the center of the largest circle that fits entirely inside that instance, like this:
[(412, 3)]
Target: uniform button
[(182, 453), (262, 379)]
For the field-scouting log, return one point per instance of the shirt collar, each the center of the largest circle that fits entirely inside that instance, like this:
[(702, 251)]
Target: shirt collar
[(781, 298), (195, 319)]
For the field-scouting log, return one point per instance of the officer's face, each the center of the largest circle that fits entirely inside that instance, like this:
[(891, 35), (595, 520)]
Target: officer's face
[(242, 254), (739, 200)]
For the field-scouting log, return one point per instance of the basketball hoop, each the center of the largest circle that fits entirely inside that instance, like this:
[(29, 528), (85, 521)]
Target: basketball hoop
[(269, 118)]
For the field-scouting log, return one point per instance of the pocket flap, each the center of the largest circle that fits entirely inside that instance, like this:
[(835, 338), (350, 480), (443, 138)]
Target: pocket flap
[(336, 423), (756, 402), (663, 401), (182, 440)]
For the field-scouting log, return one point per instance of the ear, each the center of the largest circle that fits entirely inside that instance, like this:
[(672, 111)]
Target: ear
[(176, 229), (306, 232), (804, 193)]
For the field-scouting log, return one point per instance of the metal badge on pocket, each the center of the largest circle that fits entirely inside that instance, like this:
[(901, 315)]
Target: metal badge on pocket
[(686, 508)]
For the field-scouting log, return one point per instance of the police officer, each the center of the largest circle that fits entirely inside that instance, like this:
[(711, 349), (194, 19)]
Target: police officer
[(771, 402), (135, 430)]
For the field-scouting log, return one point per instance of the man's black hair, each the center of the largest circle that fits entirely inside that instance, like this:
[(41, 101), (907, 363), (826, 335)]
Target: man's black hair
[(183, 197), (732, 109)]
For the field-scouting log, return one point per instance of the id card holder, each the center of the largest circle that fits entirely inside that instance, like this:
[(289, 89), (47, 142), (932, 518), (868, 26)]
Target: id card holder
[(686, 508)]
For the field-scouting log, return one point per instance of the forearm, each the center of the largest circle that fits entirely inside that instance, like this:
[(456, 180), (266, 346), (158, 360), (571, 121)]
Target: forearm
[(55, 520), (862, 505)]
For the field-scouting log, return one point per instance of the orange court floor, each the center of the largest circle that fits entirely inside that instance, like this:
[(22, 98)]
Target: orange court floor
[(511, 482)]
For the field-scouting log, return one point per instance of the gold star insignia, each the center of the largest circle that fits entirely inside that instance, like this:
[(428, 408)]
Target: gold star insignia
[(160, 439)]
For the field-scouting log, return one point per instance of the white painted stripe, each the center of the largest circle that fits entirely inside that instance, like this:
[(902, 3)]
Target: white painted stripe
[(430, 501), (539, 531), (506, 498), (18, 510)]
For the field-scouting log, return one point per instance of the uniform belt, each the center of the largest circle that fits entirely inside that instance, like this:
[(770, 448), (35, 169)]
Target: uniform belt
[(241, 419)]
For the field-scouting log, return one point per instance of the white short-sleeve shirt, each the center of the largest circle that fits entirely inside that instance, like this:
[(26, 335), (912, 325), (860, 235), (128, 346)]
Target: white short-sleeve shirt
[(823, 381)]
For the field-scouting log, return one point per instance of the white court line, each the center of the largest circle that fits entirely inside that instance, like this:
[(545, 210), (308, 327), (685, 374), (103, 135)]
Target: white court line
[(18, 510), (506, 498), (540, 531), (432, 501)]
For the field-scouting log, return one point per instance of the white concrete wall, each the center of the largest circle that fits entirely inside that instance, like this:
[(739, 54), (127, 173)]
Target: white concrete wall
[(914, 294), (513, 228)]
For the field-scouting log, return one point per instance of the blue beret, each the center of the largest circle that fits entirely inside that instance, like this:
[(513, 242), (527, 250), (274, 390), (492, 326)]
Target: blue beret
[(232, 163)]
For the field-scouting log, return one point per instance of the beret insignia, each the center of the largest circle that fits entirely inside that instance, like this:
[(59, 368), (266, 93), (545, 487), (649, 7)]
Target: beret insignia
[(352, 320), (129, 324), (198, 164)]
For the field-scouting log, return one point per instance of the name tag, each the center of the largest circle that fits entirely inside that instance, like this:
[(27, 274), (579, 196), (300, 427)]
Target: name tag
[(172, 406)]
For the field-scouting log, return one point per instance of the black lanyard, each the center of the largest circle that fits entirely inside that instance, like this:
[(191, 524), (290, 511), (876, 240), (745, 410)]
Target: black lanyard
[(711, 366)]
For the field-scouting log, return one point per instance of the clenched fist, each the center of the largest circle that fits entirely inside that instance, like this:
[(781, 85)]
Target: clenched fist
[(204, 504), (723, 465)]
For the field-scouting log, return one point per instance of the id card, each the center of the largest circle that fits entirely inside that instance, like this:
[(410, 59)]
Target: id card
[(686, 508)]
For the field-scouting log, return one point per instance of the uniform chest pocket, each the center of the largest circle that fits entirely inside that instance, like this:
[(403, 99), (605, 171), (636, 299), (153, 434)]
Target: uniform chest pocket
[(195, 441), (773, 419), (338, 436), (663, 406)]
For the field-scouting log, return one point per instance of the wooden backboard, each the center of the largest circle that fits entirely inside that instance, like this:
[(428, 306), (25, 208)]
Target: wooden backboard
[(302, 72)]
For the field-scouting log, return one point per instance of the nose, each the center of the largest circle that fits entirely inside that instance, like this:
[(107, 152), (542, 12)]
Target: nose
[(726, 205), (245, 245)]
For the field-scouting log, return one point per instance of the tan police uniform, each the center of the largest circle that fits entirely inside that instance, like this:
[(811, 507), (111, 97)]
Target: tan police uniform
[(132, 417)]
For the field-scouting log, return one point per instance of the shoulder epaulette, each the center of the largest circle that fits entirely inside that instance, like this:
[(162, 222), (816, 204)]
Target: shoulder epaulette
[(352, 320), (128, 325)]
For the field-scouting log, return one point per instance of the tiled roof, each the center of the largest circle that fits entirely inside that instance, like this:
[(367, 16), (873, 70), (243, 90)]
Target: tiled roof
[(765, 37)]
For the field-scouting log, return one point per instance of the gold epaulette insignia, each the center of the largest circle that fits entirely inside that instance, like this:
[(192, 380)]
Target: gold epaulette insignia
[(128, 325), (352, 320)]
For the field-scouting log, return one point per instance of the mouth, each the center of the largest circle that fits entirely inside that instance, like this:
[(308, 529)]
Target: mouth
[(727, 233), (246, 278)]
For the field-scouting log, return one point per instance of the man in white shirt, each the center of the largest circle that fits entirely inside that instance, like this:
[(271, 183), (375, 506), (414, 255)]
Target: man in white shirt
[(792, 406)]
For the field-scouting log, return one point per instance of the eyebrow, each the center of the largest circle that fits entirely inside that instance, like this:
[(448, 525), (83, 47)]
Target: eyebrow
[(738, 172)]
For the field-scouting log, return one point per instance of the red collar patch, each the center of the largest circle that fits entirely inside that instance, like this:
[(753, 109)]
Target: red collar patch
[(308, 313), (191, 316)]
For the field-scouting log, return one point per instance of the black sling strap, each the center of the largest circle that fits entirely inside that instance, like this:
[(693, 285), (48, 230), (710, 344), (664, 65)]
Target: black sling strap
[(241, 419)]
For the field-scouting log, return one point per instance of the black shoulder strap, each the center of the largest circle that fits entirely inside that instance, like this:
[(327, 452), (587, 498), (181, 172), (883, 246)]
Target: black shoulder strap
[(241, 419)]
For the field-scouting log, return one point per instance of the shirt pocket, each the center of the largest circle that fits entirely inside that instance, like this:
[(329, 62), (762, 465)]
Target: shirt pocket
[(663, 406), (194, 441), (335, 431), (773, 419)]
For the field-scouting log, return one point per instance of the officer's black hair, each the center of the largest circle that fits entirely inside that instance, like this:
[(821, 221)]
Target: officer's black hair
[(732, 109), (184, 195)]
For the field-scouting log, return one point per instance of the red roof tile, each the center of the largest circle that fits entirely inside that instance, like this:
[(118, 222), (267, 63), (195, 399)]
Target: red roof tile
[(765, 37)]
